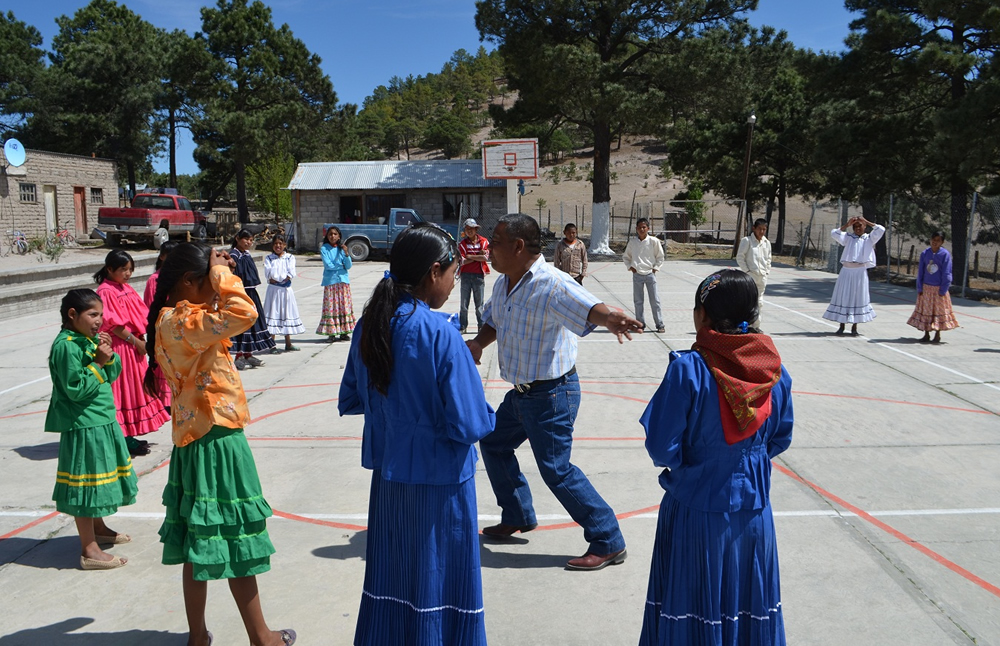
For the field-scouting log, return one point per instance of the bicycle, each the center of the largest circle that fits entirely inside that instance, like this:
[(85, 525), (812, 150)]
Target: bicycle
[(18, 242), (64, 236)]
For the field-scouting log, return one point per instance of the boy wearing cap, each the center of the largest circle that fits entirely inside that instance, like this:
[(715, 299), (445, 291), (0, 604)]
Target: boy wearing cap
[(475, 253)]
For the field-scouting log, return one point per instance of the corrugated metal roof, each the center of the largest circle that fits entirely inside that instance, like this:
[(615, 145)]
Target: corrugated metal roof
[(371, 175)]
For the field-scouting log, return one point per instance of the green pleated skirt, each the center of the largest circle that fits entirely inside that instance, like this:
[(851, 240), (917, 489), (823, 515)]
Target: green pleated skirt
[(94, 476), (216, 512)]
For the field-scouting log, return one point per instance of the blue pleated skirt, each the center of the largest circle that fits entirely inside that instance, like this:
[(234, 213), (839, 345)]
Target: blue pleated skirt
[(423, 584), (713, 579), (256, 340)]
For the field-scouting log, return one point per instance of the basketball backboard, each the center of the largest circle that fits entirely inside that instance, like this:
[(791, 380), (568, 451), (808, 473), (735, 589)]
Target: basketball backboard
[(510, 159)]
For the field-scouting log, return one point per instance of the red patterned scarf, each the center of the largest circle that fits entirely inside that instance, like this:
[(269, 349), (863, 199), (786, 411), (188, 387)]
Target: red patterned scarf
[(746, 367)]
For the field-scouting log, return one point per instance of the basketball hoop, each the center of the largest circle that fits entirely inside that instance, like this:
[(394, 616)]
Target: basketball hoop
[(510, 159)]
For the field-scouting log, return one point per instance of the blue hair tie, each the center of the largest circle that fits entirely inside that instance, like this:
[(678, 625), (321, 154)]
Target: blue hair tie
[(388, 274), (743, 327)]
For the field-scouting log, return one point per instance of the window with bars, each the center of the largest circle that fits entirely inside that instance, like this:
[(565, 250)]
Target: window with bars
[(97, 196), (28, 193)]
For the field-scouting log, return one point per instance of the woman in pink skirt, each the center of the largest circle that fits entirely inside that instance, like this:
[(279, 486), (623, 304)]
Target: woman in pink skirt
[(933, 311), (338, 308), (125, 319)]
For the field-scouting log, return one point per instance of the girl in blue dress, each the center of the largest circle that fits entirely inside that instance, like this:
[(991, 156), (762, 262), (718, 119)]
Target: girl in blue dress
[(723, 411), (412, 377)]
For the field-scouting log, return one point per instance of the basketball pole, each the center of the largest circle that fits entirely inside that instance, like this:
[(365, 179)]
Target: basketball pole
[(512, 201)]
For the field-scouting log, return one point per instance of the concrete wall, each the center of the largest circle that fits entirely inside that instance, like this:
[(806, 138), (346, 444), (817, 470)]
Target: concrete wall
[(313, 209), (64, 172)]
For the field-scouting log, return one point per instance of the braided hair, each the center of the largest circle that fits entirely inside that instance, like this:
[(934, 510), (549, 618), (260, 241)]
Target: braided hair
[(413, 255), (730, 300), (186, 258)]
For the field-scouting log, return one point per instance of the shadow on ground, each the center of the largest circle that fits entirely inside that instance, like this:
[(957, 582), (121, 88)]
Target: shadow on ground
[(62, 553), (506, 560), (48, 451), (355, 548), (58, 634)]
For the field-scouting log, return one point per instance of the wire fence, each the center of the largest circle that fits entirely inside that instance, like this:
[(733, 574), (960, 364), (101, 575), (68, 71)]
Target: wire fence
[(806, 234)]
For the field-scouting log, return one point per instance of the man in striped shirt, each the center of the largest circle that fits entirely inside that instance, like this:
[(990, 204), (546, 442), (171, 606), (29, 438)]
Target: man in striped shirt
[(535, 314)]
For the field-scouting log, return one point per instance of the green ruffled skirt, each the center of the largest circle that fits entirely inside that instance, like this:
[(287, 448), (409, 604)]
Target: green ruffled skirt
[(95, 476), (216, 512)]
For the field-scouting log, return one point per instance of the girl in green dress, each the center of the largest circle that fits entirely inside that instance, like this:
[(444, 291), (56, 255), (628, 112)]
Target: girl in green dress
[(95, 475)]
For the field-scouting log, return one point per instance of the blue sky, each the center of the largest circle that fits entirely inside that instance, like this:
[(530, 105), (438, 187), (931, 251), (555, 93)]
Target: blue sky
[(364, 44)]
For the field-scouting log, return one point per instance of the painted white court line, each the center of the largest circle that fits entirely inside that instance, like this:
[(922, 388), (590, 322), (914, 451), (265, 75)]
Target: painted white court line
[(27, 383)]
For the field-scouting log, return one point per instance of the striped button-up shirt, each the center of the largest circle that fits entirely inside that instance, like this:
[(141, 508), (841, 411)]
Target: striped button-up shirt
[(537, 323)]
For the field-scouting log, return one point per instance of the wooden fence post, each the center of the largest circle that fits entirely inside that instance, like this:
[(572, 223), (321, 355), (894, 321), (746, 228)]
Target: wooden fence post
[(909, 261), (976, 265), (996, 265)]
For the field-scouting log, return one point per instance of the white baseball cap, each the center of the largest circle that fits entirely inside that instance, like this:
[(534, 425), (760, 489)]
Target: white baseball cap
[(471, 223)]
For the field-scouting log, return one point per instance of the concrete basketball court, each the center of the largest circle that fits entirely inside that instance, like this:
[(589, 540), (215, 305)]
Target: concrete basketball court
[(887, 504)]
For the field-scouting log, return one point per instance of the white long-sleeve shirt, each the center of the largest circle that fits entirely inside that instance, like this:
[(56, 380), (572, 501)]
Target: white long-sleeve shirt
[(858, 250), (645, 256), (754, 256)]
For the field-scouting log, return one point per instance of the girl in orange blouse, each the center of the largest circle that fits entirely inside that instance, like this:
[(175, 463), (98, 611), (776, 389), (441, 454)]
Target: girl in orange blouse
[(216, 513)]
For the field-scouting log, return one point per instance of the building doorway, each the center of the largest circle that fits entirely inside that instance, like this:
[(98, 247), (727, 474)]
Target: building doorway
[(80, 209), (51, 209), (350, 209)]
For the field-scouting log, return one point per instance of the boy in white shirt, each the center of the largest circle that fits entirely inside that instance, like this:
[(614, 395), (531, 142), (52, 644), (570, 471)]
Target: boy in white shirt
[(754, 257), (643, 257)]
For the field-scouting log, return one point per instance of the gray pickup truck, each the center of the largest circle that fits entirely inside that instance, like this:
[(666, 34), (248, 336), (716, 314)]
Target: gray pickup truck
[(361, 239)]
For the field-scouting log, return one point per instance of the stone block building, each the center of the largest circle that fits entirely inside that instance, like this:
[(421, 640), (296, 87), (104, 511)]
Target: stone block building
[(56, 191), (446, 191)]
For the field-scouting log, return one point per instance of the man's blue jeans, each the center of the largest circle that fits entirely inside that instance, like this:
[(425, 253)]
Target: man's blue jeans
[(474, 285), (544, 416)]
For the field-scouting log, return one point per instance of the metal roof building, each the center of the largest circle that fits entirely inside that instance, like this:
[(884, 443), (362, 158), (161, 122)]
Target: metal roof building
[(377, 175), (446, 191)]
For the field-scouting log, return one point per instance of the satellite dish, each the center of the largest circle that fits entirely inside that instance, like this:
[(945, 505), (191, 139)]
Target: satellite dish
[(14, 152)]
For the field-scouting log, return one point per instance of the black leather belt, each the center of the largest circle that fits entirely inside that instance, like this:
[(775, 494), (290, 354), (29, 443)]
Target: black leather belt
[(523, 388)]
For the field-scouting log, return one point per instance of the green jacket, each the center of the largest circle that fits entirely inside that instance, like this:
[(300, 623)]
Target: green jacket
[(81, 389)]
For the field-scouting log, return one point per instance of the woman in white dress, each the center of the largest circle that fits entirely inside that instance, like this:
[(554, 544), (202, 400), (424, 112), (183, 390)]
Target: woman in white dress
[(280, 309), (851, 302)]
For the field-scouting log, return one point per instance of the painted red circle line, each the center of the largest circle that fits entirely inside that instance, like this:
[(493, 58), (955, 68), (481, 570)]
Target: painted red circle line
[(923, 549), (316, 521), (37, 521)]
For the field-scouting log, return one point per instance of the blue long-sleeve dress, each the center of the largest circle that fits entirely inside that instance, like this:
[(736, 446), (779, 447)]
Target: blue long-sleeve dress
[(256, 340), (422, 571), (714, 573)]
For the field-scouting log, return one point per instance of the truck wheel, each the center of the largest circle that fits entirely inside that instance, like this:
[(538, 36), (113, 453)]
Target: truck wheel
[(200, 232), (358, 250), (113, 240)]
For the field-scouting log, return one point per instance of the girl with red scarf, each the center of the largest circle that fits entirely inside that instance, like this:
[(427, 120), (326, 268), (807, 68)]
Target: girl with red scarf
[(723, 411)]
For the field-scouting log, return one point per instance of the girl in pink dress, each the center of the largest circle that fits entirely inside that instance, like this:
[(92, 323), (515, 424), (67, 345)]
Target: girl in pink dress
[(125, 319)]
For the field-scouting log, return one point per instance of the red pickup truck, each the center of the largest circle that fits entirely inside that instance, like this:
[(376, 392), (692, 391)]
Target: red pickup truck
[(143, 218)]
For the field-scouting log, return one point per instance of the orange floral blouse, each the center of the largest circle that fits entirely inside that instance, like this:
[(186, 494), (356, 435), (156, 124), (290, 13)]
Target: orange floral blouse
[(192, 349)]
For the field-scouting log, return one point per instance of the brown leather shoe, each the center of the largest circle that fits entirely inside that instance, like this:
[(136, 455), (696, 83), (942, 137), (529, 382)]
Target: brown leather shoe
[(595, 561), (506, 531)]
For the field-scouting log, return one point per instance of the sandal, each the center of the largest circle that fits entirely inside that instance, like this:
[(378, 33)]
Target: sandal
[(115, 539), (291, 348), (94, 564), (287, 636)]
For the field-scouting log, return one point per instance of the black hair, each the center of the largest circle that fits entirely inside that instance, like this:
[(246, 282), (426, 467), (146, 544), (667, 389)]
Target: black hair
[(642, 221), (165, 250), (164, 223), (187, 257), (116, 259), (938, 234), (523, 227), (568, 227), (80, 300), (414, 254), (277, 238), (730, 299), (326, 233), (758, 222), (242, 234)]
